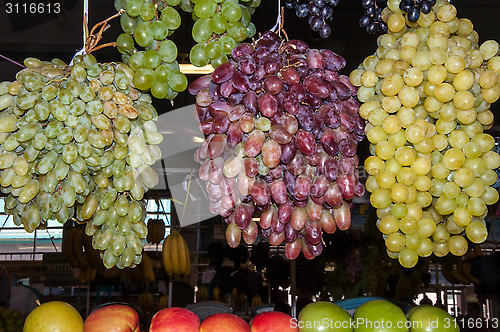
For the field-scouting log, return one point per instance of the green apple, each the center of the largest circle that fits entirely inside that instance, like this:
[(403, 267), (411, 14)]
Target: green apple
[(380, 316), (426, 318), (325, 317)]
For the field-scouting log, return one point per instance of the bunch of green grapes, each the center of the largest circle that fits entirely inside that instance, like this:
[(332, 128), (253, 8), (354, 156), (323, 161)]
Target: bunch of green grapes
[(219, 26), (149, 24), (426, 95), (79, 141)]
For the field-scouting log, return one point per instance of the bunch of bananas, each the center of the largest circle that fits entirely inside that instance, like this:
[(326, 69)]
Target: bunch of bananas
[(145, 301), (458, 272), (202, 294), (238, 297), (163, 301), (256, 301), (88, 275), (78, 250), (216, 295), (156, 231), (144, 271), (175, 254), (113, 273)]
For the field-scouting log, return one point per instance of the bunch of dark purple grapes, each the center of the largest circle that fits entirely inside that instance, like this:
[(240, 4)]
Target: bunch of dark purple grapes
[(372, 19), (281, 129), (414, 7), (318, 13)]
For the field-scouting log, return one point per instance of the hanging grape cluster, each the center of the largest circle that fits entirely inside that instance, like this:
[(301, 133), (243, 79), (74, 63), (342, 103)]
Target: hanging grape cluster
[(282, 128), (78, 142), (426, 96), (318, 13), (219, 26), (149, 25)]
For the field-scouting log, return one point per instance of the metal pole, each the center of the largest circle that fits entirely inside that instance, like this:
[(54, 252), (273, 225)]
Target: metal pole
[(88, 299), (170, 287), (293, 286)]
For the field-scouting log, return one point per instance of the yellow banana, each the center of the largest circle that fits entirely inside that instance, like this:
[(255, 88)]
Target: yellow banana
[(92, 254), (167, 262), (174, 253), (256, 301), (83, 263), (446, 272), (148, 271), (202, 294), (163, 301), (460, 278), (216, 294), (465, 268), (68, 250), (145, 301), (181, 248), (188, 259)]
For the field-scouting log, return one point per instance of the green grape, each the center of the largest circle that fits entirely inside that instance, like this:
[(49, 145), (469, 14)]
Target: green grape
[(128, 23), (174, 2), (227, 44), (245, 15), (96, 69), (118, 5), (219, 1), (136, 61), (159, 90), (237, 31), (148, 11), (255, 3), (162, 73), (152, 59), (178, 81), (171, 18), (168, 51), (231, 11), (159, 30), (186, 5), (212, 50), (202, 31), (197, 55), (205, 8), (134, 7), (219, 61), (218, 23), (125, 44), (251, 30), (174, 65), (143, 35), (144, 78)]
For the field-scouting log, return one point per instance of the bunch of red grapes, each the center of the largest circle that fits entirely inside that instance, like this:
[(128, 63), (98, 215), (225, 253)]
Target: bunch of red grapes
[(282, 129)]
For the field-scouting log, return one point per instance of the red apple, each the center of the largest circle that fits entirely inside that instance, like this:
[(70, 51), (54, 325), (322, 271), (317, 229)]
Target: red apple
[(273, 321), (175, 320), (112, 318), (224, 322)]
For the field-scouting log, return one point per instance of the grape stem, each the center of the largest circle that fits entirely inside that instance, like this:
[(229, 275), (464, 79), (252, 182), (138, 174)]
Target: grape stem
[(92, 38)]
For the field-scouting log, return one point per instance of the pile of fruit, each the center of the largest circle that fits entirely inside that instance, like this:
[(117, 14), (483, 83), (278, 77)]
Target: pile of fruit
[(374, 315), (10, 321), (281, 129), (426, 94), (79, 141)]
